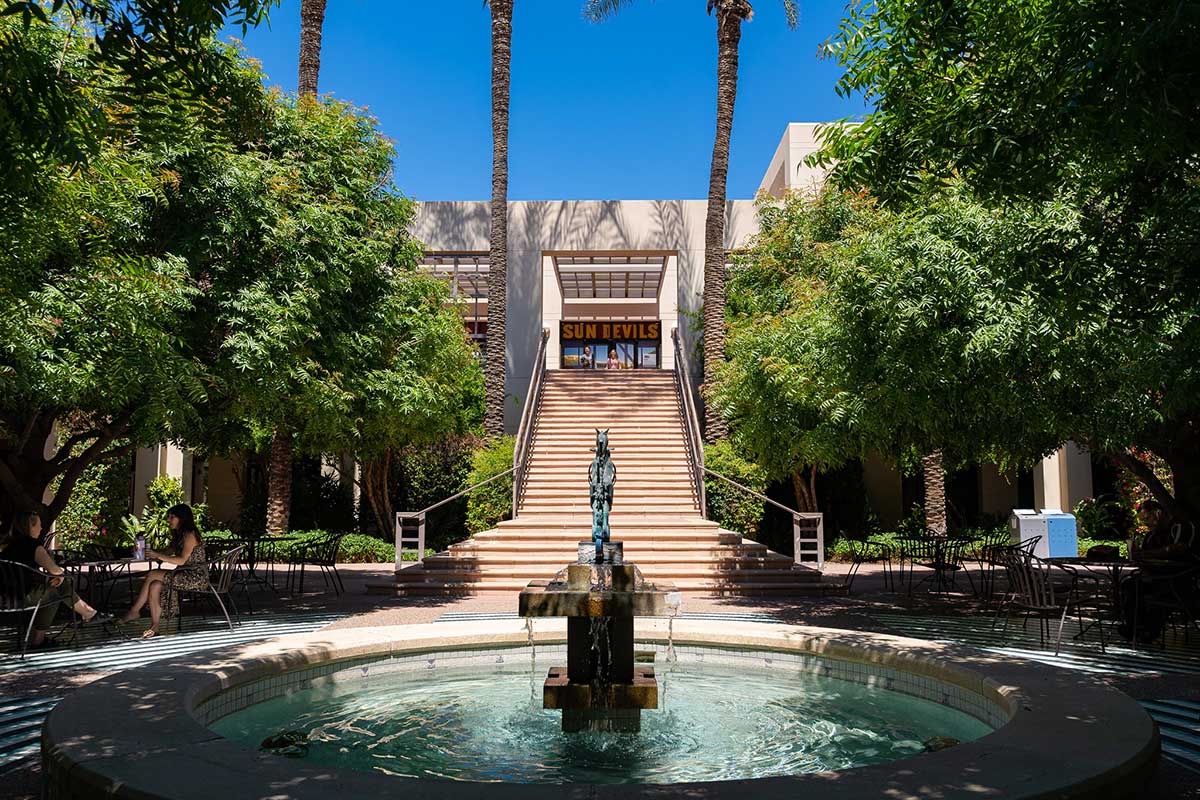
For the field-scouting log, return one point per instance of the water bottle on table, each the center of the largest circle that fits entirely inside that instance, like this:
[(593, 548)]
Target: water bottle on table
[(139, 547)]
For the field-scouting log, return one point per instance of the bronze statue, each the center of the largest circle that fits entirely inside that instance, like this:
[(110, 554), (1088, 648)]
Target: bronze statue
[(601, 477)]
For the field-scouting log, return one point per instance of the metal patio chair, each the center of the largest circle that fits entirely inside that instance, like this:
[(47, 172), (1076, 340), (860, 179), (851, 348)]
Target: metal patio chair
[(16, 581), (323, 555), (1031, 589), (870, 552), (221, 572)]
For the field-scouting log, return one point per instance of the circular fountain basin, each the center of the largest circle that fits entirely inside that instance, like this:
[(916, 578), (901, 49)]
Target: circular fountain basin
[(743, 707)]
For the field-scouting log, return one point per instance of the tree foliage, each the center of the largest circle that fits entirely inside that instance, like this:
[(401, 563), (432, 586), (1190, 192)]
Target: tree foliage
[(1058, 108), (197, 286), (986, 334)]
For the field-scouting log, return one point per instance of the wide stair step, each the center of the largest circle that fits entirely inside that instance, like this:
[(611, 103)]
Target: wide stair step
[(654, 511)]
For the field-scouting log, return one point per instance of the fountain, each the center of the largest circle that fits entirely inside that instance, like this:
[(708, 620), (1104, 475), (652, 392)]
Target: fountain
[(605, 685)]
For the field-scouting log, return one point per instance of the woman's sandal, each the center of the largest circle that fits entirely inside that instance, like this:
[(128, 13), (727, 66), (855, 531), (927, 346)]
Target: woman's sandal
[(149, 633)]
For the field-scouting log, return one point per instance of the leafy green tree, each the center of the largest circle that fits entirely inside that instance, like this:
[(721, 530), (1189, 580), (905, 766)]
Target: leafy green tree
[(950, 327), (1094, 107), (155, 49), (253, 268), (91, 306)]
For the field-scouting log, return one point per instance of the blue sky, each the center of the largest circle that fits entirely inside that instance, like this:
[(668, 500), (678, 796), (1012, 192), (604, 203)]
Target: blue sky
[(618, 110)]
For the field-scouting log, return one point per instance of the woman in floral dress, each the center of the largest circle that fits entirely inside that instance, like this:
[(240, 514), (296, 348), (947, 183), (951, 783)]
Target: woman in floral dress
[(160, 589)]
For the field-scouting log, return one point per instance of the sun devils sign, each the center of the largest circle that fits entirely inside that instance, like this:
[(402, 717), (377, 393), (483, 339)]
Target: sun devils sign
[(581, 331)]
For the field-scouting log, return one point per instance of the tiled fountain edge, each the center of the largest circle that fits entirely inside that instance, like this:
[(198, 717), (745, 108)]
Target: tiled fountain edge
[(132, 734)]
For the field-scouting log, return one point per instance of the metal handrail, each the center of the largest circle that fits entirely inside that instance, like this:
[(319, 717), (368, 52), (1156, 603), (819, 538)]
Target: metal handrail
[(523, 446), (419, 517), (691, 421), (805, 549)]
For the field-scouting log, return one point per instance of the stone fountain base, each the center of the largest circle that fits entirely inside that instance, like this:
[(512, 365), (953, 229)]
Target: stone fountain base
[(602, 688)]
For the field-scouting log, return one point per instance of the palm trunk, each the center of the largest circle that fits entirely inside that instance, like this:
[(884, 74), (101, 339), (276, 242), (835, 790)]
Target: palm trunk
[(730, 15), (279, 483), (935, 493), (494, 378), (312, 19)]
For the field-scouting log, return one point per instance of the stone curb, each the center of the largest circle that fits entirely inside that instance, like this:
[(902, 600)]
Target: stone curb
[(135, 734)]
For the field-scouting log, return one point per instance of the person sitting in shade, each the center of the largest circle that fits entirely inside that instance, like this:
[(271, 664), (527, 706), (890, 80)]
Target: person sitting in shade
[(160, 589), (1165, 573), (25, 546), (585, 360), (613, 362)]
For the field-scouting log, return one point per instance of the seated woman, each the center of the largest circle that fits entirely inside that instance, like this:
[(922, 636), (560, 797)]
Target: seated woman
[(190, 573), (25, 547)]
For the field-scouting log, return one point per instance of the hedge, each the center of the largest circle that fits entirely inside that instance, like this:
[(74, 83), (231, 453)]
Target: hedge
[(729, 506), (490, 504), (355, 548)]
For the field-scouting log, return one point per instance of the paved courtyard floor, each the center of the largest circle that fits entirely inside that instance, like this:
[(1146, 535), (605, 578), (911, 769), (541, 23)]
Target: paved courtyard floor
[(1166, 680)]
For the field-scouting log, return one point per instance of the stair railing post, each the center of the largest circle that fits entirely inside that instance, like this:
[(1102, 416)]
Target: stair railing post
[(403, 521)]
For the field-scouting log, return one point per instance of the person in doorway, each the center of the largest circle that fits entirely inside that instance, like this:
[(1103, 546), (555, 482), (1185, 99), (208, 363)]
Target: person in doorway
[(613, 362), (1166, 572), (160, 589), (585, 360), (25, 547)]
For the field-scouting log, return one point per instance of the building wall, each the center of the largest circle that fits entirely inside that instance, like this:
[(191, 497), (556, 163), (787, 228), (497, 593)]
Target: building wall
[(787, 171), (540, 228)]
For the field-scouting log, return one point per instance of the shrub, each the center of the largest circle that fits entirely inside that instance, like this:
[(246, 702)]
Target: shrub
[(428, 473), (161, 493), (729, 506), (98, 502), (490, 504)]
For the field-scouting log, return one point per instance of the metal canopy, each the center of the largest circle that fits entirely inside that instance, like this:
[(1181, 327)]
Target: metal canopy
[(624, 277), (467, 273)]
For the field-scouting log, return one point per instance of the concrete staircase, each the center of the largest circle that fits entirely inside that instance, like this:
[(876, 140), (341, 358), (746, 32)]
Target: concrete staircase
[(654, 511)]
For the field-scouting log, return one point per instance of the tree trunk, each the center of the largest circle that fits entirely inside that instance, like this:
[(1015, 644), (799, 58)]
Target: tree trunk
[(312, 19), (805, 489), (279, 483), (730, 14), (935, 494), (494, 376), (375, 479), (27, 472)]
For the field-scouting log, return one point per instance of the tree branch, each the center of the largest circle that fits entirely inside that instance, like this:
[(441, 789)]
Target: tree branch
[(1146, 475)]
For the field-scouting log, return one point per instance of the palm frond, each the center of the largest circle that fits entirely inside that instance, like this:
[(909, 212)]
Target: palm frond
[(600, 10), (791, 10)]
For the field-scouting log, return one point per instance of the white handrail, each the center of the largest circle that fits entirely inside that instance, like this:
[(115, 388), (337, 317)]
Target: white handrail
[(523, 446), (691, 421), (419, 516)]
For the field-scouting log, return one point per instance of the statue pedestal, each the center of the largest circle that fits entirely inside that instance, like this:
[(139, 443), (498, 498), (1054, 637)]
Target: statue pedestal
[(604, 686)]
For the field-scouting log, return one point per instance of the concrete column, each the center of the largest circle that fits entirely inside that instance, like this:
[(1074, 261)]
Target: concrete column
[(161, 459), (552, 312), (668, 311), (1063, 478)]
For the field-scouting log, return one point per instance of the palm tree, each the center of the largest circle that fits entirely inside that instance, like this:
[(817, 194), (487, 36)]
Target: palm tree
[(279, 461), (935, 493), (312, 19), (493, 418), (729, 14)]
